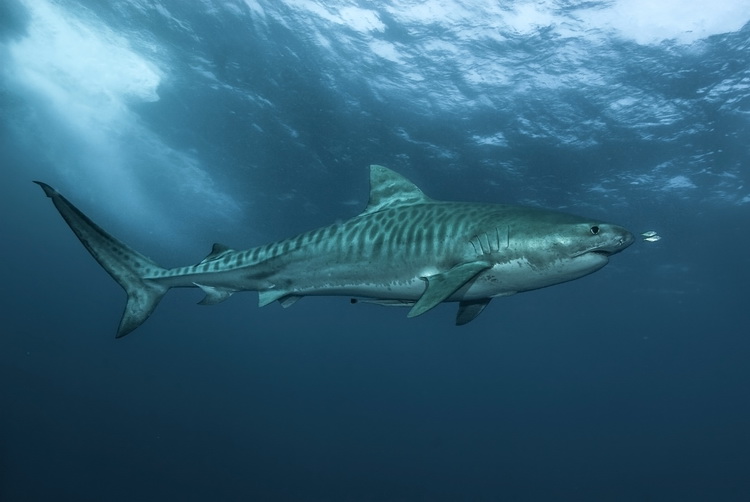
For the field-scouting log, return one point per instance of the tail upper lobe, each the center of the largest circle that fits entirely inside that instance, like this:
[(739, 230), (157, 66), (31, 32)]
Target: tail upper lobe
[(126, 266)]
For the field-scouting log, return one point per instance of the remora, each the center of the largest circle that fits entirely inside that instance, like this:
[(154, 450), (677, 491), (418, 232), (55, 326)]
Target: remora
[(404, 249)]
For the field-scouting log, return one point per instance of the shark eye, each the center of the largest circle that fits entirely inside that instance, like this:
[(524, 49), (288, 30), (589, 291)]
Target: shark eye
[(595, 230)]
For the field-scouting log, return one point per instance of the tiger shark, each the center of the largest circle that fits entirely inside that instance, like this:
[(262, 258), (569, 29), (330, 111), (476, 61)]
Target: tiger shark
[(404, 249)]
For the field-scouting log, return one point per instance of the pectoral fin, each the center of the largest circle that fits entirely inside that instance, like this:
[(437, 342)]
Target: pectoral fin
[(469, 310), (441, 286), (289, 300)]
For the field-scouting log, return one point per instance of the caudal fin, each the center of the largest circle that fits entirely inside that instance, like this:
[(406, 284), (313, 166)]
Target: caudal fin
[(126, 266)]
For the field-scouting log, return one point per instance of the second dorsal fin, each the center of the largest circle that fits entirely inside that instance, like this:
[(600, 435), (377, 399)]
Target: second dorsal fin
[(216, 251)]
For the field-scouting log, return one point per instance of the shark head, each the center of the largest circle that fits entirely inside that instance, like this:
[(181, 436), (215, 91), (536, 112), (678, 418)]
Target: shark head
[(558, 247), (589, 245), (533, 248), (600, 239)]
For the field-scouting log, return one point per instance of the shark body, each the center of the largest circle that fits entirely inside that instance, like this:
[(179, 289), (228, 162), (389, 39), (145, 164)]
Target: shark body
[(404, 249)]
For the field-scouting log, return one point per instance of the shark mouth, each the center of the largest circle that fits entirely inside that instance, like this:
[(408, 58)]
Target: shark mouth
[(610, 248), (604, 249), (598, 250)]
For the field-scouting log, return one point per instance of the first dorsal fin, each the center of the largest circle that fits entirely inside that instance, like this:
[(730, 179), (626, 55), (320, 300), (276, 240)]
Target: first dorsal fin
[(389, 189)]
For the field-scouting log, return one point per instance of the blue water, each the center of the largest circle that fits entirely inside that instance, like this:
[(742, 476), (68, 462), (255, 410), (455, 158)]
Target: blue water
[(178, 124)]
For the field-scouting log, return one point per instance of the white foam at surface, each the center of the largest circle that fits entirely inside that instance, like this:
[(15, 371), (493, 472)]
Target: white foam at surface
[(362, 20), (254, 6), (644, 21), (679, 182), (386, 50), (355, 18), (652, 22), (528, 17), (494, 140)]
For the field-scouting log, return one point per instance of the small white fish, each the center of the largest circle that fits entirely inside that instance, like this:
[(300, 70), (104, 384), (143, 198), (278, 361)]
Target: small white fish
[(652, 238), (650, 233)]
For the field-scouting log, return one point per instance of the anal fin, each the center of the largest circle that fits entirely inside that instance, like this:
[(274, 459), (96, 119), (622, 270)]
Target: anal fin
[(271, 295), (267, 296)]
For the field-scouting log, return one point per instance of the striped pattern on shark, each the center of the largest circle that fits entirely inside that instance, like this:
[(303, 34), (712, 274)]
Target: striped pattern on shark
[(404, 249)]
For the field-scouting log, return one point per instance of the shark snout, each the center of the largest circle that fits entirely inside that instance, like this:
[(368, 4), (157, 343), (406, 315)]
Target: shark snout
[(615, 240), (622, 239)]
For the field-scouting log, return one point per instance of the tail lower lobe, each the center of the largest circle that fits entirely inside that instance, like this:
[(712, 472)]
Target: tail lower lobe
[(126, 266)]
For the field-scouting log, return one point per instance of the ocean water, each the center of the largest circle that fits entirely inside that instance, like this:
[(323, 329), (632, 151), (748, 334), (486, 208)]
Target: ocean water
[(177, 124)]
